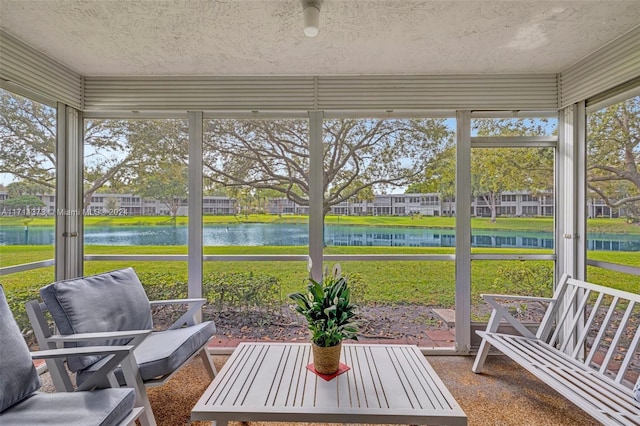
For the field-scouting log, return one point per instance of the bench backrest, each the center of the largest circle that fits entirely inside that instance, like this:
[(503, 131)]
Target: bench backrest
[(597, 326)]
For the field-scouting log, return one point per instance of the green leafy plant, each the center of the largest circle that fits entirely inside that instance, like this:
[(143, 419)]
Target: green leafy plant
[(328, 310)]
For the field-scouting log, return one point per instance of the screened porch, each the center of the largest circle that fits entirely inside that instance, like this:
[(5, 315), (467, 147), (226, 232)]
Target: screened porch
[(436, 150)]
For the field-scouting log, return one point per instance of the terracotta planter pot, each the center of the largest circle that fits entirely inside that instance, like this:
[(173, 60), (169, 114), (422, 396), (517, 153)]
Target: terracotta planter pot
[(326, 360)]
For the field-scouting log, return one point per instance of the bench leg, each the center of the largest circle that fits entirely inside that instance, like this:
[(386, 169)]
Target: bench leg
[(483, 351), (481, 357), (208, 363)]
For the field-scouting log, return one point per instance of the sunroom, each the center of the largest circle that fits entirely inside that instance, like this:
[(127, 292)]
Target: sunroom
[(435, 150)]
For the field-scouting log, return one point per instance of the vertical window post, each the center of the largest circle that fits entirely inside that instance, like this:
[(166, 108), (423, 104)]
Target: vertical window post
[(195, 204), (463, 231), (69, 205), (316, 196), (571, 193)]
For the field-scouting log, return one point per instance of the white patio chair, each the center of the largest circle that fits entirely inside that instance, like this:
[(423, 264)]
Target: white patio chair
[(103, 309), (21, 404)]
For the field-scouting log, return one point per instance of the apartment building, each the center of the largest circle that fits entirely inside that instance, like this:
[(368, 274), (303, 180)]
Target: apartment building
[(515, 204), (283, 205), (131, 205), (509, 204)]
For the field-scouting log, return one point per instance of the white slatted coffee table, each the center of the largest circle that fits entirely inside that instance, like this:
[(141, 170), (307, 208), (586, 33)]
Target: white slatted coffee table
[(386, 384)]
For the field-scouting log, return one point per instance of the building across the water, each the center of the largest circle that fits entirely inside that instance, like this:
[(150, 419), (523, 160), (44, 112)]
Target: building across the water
[(509, 204)]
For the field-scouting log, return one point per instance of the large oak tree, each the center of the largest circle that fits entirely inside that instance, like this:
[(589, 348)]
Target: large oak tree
[(495, 170), (498, 170), (613, 154), (28, 150), (28, 135), (359, 155), (120, 155)]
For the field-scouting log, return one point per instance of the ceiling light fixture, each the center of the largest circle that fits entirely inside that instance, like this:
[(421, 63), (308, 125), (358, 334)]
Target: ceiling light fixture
[(311, 14)]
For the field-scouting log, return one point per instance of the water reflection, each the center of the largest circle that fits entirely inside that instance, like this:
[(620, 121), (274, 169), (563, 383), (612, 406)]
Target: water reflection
[(411, 237), (136, 236), (298, 235), (21, 235)]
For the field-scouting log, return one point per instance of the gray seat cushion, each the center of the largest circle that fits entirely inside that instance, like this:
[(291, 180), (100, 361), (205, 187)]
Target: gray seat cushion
[(112, 301), (103, 407), (163, 352), (18, 377)]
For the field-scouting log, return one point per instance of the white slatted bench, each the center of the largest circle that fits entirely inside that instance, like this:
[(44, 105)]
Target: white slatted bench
[(586, 347)]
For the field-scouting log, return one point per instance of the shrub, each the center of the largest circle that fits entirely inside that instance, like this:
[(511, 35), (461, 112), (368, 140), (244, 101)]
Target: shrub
[(17, 298), (527, 280), (240, 291), (164, 285), (226, 291)]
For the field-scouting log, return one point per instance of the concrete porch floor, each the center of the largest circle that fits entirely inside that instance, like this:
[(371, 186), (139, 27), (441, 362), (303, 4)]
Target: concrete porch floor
[(505, 394)]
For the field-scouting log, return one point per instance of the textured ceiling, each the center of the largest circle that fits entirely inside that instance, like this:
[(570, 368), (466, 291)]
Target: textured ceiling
[(245, 37)]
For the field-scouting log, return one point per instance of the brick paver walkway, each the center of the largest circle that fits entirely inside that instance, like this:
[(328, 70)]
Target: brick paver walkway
[(435, 338)]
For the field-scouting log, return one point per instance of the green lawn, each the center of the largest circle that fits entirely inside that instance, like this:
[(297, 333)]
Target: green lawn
[(17, 255), (425, 282), (390, 281)]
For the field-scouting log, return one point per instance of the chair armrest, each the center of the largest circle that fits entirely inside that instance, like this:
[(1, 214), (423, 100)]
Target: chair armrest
[(177, 301), (85, 350), (189, 317), (117, 355), (136, 336)]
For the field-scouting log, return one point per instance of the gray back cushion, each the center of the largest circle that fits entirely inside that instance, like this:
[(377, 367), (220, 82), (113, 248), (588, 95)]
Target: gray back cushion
[(112, 301), (18, 376)]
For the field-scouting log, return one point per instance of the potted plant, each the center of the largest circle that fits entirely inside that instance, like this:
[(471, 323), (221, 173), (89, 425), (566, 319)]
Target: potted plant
[(330, 316)]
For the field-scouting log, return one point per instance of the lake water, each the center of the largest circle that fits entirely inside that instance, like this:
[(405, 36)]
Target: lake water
[(298, 235)]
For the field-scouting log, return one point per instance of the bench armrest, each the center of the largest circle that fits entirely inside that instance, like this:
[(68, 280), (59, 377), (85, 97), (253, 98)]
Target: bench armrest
[(516, 297), (499, 312), (189, 317)]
